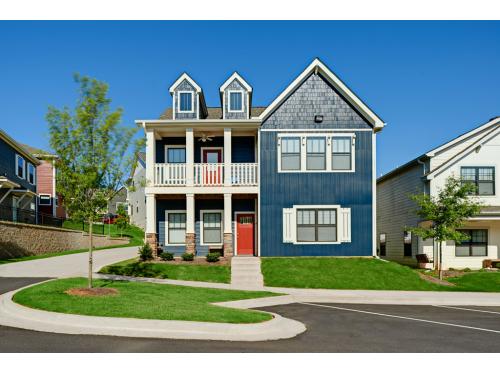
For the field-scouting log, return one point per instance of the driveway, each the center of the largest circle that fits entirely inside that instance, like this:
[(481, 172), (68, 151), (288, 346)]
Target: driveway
[(66, 265), (330, 328)]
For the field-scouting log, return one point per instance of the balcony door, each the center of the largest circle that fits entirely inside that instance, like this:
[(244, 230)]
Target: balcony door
[(211, 157)]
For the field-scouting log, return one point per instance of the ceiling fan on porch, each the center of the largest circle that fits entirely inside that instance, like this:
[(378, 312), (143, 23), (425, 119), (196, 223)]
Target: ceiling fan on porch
[(204, 137)]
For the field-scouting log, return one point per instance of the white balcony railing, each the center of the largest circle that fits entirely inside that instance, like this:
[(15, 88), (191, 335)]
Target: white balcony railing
[(170, 174), (206, 174)]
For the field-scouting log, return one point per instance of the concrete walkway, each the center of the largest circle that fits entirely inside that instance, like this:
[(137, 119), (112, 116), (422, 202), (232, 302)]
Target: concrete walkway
[(66, 265), (245, 273)]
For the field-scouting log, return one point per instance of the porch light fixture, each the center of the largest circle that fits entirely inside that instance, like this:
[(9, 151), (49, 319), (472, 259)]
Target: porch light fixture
[(318, 118)]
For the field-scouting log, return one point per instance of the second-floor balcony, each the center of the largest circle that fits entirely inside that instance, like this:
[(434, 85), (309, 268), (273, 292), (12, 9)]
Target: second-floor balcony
[(206, 174)]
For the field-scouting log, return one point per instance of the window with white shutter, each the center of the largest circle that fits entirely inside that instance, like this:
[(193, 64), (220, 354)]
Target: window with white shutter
[(288, 225)]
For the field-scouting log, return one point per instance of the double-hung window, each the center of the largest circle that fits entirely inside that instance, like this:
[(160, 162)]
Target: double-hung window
[(483, 178), (290, 154), (20, 167), (407, 250), (316, 225), (235, 101), (31, 174), (341, 153), (316, 153), (185, 101), (176, 228), (176, 154), (476, 245), (212, 227), (382, 241)]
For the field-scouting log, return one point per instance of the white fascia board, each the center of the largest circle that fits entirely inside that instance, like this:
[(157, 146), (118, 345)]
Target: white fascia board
[(183, 77), (318, 66), (495, 121), (234, 76), (195, 123)]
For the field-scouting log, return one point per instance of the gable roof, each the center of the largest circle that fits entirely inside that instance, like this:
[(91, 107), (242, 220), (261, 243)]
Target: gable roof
[(213, 113), (234, 76), (38, 152), (19, 147), (315, 67), (184, 76)]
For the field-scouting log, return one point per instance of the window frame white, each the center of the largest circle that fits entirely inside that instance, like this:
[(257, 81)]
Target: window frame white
[(192, 93), (174, 146), (242, 93), (23, 177), (167, 212), (329, 136), (202, 241), (49, 196), (28, 174), (335, 207)]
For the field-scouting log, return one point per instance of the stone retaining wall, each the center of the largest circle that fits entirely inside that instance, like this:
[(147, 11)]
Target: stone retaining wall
[(17, 239)]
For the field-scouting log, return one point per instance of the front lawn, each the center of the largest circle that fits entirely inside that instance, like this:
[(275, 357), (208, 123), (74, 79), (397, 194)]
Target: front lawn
[(364, 273), (193, 272), (143, 301), (135, 234)]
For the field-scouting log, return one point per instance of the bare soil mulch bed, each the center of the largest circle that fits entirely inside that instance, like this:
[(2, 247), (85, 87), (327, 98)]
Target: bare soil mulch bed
[(434, 280), (93, 292), (197, 260)]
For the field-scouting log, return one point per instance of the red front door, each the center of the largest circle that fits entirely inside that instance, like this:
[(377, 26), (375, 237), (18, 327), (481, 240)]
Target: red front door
[(245, 233), (212, 174)]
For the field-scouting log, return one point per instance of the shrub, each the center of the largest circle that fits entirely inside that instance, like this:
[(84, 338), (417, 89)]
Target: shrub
[(145, 252), (213, 257), (188, 257), (467, 269), (167, 256)]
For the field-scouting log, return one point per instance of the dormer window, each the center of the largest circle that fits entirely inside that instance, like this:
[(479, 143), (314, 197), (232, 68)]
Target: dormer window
[(185, 101), (235, 101)]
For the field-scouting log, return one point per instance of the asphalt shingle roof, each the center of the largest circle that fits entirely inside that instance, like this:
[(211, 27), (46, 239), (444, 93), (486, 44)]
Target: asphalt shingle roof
[(214, 113)]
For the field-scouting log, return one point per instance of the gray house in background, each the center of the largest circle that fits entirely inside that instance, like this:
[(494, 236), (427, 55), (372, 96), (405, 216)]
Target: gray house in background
[(136, 196), (119, 199)]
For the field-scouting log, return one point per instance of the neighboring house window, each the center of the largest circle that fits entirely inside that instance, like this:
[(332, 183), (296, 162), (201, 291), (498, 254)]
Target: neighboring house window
[(212, 227), (20, 167), (235, 101), (290, 154), (31, 174), (316, 225), (341, 153), (407, 243), (176, 228), (176, 154), (382, 237), (483, 178), (316, 153), (44, 199), (185, 101), (476, 245)]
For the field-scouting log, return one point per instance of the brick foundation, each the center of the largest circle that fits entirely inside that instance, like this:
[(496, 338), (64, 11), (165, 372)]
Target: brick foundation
[(191, 243), (152, 240), (228, 245)]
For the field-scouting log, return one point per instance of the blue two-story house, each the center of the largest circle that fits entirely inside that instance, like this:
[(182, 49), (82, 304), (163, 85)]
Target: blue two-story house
[(295, 178), (18, 182)]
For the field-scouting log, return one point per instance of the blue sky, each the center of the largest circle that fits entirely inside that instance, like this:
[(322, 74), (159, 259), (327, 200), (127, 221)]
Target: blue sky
[(430, 81)]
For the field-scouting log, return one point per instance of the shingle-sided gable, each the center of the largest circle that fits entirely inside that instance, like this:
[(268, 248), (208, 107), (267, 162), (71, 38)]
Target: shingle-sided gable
[(236, 85), (315, 96)]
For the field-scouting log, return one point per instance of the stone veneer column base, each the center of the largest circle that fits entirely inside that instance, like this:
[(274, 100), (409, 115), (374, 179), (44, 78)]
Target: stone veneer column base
[(228, 245), (191, 243), (152, 240)]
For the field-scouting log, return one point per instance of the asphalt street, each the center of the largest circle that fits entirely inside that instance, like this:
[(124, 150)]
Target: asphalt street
[(330, 328)]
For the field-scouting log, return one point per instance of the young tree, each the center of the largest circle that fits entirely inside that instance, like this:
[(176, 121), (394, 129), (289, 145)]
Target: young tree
[(122, 220), (92, 151), (446, 212)]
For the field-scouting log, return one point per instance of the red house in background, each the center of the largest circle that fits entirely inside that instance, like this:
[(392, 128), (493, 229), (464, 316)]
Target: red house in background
[(48, 201)]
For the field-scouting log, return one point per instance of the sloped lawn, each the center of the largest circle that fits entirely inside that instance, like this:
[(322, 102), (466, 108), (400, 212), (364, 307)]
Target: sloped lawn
[(193, 272), (143, 301), (364, 273)]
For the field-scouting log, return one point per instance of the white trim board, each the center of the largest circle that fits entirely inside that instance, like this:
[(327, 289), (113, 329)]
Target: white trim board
[(211, 148), (166, 228), (202, 212), (312, 130), (234, 76), (184, 76), (229, 92), (178, 94), (165, 154)]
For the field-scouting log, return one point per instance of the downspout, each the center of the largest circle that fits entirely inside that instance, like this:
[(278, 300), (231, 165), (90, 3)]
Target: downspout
[(423, 174)]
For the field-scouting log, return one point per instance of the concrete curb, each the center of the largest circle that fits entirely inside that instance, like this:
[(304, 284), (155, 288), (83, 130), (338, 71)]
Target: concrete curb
[(15, 315)]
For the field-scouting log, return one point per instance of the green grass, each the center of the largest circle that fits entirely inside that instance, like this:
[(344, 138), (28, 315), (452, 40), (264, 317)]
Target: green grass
[(135, 235), (364, 273), (194, 272), (142, 300)]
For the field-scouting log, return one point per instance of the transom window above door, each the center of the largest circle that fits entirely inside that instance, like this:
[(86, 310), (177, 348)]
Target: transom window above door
[(235, 101), (185, 101), (483, 178)]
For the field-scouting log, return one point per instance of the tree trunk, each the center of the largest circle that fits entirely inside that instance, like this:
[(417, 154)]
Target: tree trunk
[(91, 245), (440, 260)]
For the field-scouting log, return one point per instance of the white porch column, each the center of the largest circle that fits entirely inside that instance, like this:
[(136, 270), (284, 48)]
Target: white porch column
[(228, 226), (190, 225), (227, 156), (150, 213), (150, 157), (189, 157)]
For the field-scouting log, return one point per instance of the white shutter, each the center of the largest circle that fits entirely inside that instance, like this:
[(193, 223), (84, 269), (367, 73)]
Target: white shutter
[(288, 225), (345, 224)]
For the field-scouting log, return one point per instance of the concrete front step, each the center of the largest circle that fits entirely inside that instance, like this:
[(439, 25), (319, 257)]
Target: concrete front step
[(245, 272)]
